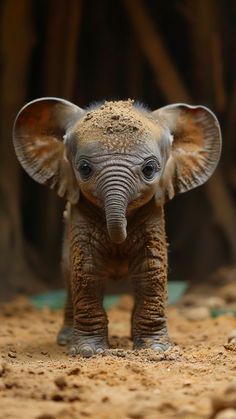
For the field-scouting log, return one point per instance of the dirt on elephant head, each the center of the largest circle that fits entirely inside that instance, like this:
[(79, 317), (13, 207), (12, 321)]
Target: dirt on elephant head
[(117, 125)]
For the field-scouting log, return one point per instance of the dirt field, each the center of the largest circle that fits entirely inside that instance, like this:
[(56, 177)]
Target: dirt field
[(193, 380)]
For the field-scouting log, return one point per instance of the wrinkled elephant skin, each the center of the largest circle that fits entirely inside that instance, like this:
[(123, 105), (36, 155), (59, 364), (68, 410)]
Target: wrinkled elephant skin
[(116, 165)]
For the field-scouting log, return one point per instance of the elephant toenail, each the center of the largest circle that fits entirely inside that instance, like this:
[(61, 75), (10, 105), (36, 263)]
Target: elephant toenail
[(86, 351), (158, 348), (73, 351)]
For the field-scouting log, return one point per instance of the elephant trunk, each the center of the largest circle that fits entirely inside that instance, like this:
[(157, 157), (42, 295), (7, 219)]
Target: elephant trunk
[(115, 210), (116, 188)]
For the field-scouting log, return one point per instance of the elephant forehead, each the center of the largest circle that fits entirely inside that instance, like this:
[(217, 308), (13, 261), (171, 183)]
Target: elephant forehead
[(117, 125)]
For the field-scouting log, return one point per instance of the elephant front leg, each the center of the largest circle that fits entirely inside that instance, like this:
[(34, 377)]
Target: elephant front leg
[(90, 331), (149, 325), (90, 334)]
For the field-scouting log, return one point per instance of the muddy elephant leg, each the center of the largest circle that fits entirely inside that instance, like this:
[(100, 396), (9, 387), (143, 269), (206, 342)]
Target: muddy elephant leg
[(90, 331), (149, 327), (65, 333), (90, 335)]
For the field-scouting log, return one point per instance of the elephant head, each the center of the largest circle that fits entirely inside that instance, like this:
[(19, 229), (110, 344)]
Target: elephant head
[(118, 155)]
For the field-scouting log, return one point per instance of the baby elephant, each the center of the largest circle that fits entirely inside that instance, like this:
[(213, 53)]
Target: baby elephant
[(116, 164)]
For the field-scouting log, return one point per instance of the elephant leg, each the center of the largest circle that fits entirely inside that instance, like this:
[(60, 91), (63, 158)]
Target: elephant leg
[(90, 331), (90, 334), (149, 326), (65, 333)]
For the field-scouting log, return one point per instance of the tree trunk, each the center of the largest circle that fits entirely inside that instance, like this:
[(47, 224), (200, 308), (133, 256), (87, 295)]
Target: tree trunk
[(17, 39)]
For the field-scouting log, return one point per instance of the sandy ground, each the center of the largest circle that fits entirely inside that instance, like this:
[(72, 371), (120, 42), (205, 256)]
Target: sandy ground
[(39, 380)]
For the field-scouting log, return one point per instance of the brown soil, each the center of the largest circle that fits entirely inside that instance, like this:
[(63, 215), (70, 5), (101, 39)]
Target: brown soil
[(39, 380), (118, 125)]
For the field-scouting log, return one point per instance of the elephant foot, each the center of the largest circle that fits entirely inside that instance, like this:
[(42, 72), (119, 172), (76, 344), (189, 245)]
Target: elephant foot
[(87, 346), (156, 343), (65, 335)]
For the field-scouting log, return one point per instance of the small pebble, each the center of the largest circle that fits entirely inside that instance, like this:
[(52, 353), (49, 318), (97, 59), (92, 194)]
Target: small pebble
[(57, 397), (2, 370), (88, 116), (187, 383), (73, 396), (232, 337), (157, 357), (119, 353), (60, 382), (9, 384), (136, 412), (11, 354), (226, 414), (225, 400), (197, 313), (214, 302), (231, 388), (187, 409), (2, 385), (74, 371)]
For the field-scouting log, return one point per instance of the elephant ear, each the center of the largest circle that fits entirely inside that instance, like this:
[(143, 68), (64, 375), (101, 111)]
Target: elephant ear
[(195, 150), (38, 136)]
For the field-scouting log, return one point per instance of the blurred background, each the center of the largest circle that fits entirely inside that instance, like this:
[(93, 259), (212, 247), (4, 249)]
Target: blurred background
[(157, 52)]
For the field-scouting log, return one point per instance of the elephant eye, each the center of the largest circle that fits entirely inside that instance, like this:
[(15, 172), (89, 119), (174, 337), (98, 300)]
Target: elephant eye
[(84, 169), (150, 169)]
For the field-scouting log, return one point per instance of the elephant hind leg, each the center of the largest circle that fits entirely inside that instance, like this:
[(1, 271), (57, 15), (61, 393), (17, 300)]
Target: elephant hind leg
[(65, 333)]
